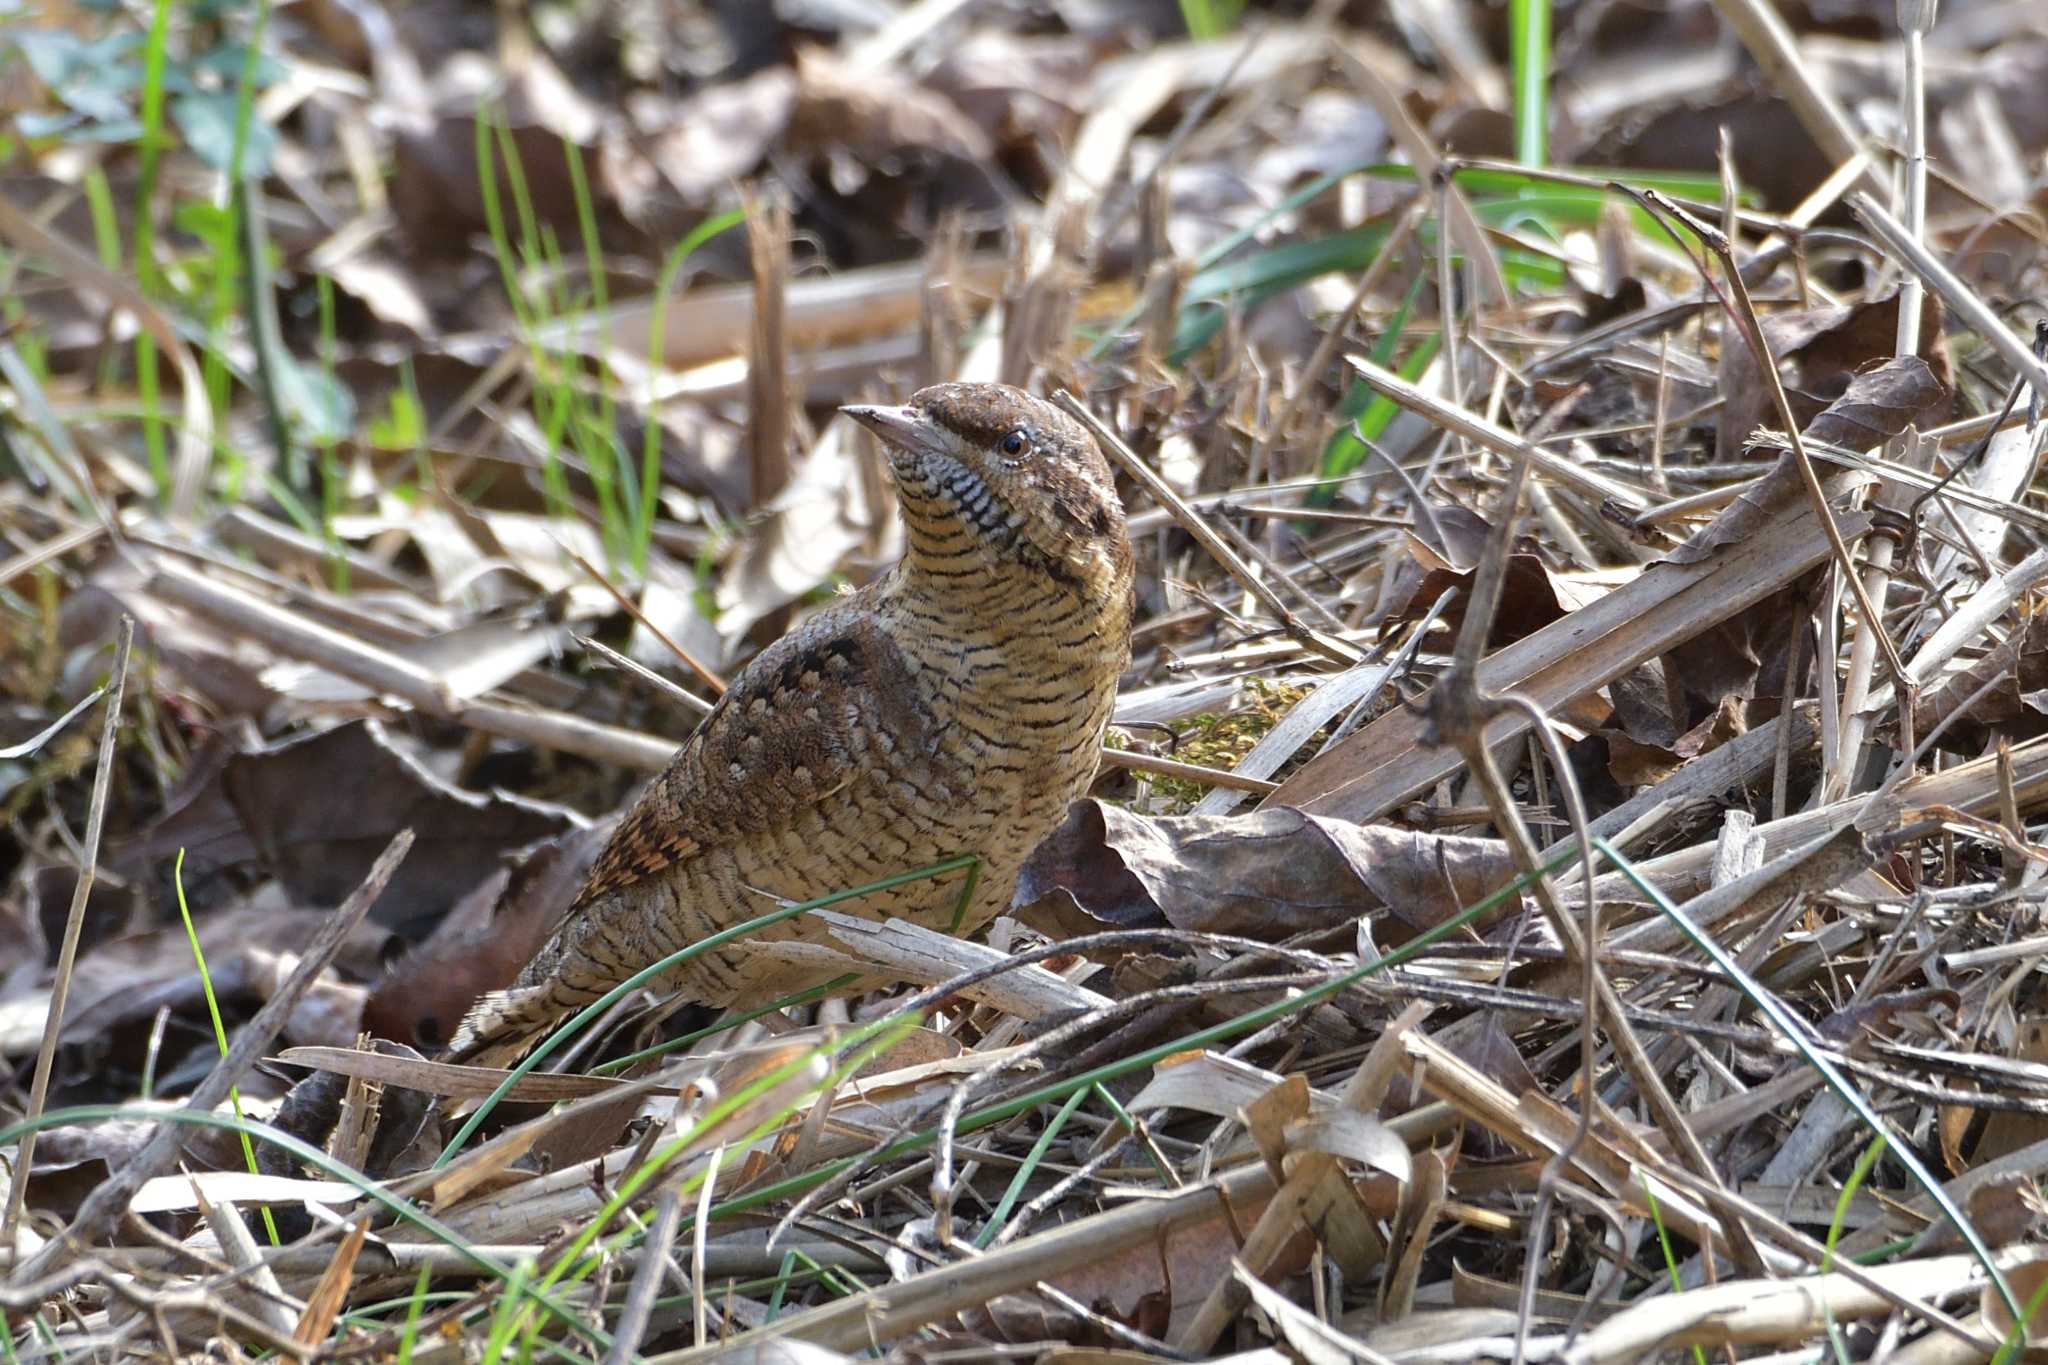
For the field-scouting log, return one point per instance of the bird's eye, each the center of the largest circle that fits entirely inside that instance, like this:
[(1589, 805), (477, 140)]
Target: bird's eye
[(1015, 443)]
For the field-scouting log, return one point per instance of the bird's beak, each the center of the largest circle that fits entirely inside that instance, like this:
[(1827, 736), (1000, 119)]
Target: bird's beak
[(905, 428)]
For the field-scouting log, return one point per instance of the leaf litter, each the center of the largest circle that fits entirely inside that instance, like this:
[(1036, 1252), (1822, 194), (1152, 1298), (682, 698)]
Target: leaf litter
[(1280, 1051)]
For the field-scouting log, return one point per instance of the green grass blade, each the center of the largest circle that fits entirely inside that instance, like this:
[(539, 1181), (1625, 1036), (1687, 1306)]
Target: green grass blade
[(2009, 1349), (506, 1315), (1218, 277), (1529, 65), (650, 440), (1207, 19), (154, 61), (220, 1033), (1864, 1165), (1366, 413), (1029, 1168), (1699, 1355), (1843, 1197), (1250, 280), (410, 1333)]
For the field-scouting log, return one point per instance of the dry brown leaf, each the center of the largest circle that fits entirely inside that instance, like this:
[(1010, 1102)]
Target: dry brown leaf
[(2016, 708), (369, 789), (1827, 348), (2005, 1133), (483, 940), (1879, 404), (1269, 875), (697, 146)]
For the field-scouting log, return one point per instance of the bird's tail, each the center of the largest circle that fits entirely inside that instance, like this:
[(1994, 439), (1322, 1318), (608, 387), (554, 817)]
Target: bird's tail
[(503, 1026)]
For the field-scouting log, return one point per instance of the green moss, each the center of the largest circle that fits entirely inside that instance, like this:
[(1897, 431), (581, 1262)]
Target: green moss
[(1219, 739)]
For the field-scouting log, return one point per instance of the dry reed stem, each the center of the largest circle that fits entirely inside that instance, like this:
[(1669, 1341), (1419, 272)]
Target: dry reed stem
[(67, 950), (1120, 454)]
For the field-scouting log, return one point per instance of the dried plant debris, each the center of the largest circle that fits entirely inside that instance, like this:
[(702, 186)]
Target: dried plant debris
[(1270, 874), (1545, 452)]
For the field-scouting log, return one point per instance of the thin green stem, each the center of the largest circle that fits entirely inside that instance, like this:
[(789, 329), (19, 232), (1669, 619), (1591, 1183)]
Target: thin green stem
[(220, 1032), (1029, 1168), (413, 1307), (1699, 1355), (657, 335), (1529, 60), (154, 61)]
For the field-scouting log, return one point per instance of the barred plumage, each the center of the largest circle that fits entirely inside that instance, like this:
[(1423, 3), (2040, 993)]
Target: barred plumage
[(954, 705)]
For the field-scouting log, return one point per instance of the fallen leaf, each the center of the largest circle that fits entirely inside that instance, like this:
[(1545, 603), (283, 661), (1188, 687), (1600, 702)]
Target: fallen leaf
[(875, 113), (2016, 706), (483, 941), (1825, 348), (1879, 404), (697, 146), (371, 789), (1269, 875)]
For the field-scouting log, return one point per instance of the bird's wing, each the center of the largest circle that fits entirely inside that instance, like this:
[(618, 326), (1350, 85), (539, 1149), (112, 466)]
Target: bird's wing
[(799, 723)]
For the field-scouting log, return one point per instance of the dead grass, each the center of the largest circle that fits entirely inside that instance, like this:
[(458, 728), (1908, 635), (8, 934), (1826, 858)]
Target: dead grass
[(1512, 602)]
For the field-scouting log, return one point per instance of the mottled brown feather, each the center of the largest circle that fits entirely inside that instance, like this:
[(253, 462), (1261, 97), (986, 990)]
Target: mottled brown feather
[(800, 757)]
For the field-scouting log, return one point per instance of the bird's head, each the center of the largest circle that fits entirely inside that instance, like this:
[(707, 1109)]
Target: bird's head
[(987, 474)]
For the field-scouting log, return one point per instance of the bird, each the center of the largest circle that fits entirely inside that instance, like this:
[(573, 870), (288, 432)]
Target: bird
[(954, 705)]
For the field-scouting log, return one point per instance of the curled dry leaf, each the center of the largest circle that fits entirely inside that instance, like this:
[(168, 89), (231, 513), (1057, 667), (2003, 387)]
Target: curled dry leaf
[(109, 912), (822, 515), (119, 987), (371, 788), (1016, 89), (875, 114), (1888, 1015), (72, 1158), (1308, 1337), (1825, 348), (1531, 597), (1155, 1291), (2017, 704), (1447, 536), (1269, 875), (217, 669), (1879, 404), (2003, 1134), (314, 1107), (696, 146), (1743, 655), (1211, 1083), (1351, 1136)]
